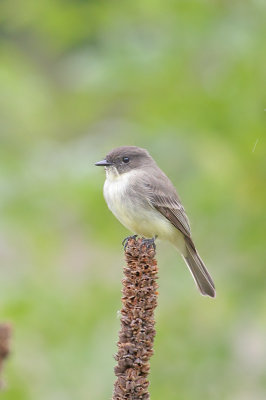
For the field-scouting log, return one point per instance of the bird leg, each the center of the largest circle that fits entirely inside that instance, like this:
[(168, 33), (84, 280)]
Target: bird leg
[(149, 242), (125, 241)]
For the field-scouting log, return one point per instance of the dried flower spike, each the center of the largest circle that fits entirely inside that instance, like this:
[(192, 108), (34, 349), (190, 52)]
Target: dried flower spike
[(5, 333), (136, 336)]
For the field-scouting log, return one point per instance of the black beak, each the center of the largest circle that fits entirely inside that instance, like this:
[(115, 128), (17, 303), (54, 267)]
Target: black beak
[(103, 163)]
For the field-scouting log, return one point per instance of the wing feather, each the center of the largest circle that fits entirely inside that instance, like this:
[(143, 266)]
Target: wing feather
[(170, 207)]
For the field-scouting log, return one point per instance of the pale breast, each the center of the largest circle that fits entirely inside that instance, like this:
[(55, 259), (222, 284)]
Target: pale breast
[(133, 209), (116, 194)]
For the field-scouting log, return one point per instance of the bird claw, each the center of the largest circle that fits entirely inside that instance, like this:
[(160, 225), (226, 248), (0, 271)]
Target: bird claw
[(149, 242), (125, 241)]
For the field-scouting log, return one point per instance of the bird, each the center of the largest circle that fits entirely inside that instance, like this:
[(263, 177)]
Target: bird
[(146, 202)]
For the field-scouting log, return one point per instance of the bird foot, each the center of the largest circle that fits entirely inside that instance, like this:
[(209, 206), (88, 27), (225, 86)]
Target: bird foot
[(125, 241), (149, 242)]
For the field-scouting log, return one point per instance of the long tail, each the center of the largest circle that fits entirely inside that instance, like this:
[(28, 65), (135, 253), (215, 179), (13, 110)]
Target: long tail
[(198, 269)]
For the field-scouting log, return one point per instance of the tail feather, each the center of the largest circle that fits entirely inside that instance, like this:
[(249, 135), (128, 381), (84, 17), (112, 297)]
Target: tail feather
[(198, 269)]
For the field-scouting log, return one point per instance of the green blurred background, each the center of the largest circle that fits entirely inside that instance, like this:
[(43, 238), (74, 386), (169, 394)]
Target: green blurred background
[(186, 80)]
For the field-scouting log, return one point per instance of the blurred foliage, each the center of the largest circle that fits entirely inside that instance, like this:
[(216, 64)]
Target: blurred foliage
[(186, 80)]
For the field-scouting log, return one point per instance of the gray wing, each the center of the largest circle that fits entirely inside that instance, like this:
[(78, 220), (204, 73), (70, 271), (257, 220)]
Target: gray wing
[(163, 197), (167, 202)]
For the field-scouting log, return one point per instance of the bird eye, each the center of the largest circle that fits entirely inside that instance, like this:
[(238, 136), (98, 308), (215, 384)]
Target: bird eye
[(125, 160)]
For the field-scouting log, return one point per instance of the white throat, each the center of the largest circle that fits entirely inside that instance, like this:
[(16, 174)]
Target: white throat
[(111, 173)]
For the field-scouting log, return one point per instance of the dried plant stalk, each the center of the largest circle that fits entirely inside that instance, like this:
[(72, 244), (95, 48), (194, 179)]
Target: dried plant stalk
[(136, 336), (5, 333)]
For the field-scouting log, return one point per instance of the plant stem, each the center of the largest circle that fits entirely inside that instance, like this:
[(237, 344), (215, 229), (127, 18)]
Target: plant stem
[(136, 336)]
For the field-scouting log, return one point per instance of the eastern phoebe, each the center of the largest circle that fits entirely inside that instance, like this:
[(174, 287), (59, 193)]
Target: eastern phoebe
[(145, 201)]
